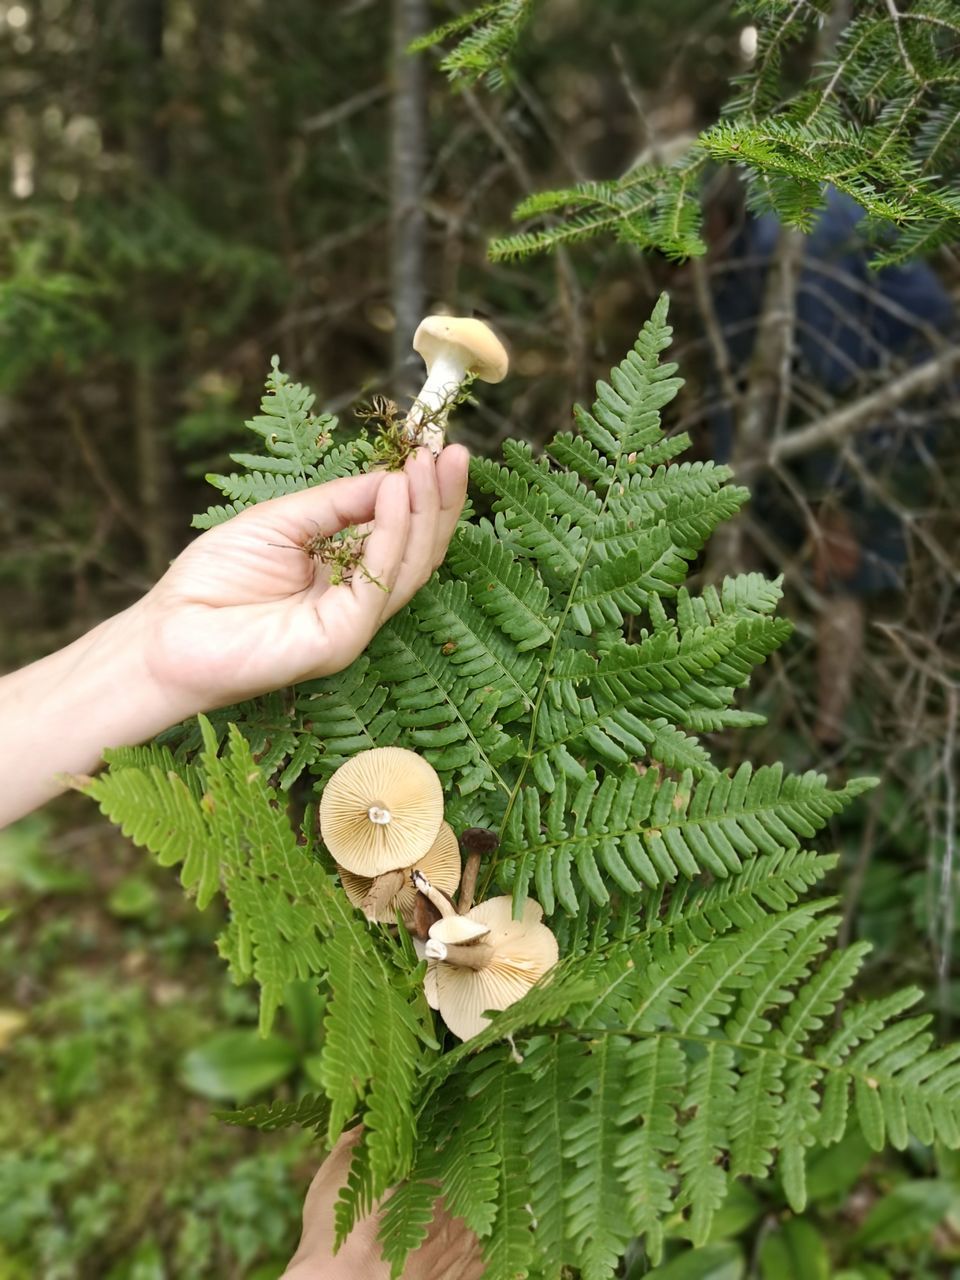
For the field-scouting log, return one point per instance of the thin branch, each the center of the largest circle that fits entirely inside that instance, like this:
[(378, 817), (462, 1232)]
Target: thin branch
[(947, 885), (99, 472), (894, 13), (408, 221), (718, 343), (866, 412), (344, 110)]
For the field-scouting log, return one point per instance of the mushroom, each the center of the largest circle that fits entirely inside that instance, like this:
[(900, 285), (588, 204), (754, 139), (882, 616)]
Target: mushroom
[(452, 347), (392, 893), (381, 811), (476, 841), (484, 960)]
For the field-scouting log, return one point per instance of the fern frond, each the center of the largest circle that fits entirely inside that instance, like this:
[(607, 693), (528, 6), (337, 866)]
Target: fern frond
[(648, 830), (312, 1111), (299, 451), (596, 1227), (507, 590), (454, 725), (656, 1072), (347, 713), (476, 650)]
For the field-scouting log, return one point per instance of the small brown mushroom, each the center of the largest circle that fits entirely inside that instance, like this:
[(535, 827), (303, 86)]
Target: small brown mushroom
[(392, 893), (381, 811), (485, 960)]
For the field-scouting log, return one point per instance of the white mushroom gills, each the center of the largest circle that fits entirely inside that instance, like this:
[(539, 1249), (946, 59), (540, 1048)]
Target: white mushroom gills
[(468, 977)]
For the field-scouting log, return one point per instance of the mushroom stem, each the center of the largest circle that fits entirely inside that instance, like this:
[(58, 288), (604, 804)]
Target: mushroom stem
[(439, 900), (378, 814), (447, 375), (468, 884), (468, 955), (383, 889)]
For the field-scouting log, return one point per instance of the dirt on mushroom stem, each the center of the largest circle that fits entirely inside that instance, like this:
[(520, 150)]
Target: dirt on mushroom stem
[(395, 437)]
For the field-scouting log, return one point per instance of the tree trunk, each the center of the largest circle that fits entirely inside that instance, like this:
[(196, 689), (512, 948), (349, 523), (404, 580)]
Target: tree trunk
[(154, 469), (407, 166)]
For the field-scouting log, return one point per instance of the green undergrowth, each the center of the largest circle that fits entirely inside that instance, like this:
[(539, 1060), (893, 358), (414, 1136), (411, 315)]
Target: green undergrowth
[(111, 1168)]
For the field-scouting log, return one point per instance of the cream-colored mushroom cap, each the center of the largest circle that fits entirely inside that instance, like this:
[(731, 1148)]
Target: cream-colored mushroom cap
[(484, 353), (392, 893), (452, 930), (381, 811), (522, 952)]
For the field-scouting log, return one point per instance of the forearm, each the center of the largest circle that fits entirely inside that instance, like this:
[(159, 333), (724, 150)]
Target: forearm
[(59, 714)]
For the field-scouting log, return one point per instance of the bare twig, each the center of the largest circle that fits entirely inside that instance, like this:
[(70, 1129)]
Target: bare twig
[(408, 225), (98, 470), (344, 110), (947, 885), (854, 886), (719, 348), (867, 411)]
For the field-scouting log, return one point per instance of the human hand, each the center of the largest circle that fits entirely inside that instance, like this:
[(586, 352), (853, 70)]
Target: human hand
[(244, 610), (450, 1251)]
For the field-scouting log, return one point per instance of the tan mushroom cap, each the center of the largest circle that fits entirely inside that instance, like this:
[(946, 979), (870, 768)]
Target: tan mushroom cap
[(486, 356), (392, 894), (523, 951), (381, 811)]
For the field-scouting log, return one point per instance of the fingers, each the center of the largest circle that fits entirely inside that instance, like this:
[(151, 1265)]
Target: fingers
[(451, 1250), (417, 563), (413, 515), (326, 508), (375, 578), (318, 1222), (437, 493), (452, 470), (339, 621)]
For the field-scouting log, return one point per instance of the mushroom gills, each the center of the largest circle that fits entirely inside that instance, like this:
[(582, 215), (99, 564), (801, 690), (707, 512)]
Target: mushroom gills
[(381, 811), (492, 973), (391, 893)]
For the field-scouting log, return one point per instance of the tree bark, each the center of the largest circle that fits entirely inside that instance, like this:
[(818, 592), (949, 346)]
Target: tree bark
[(408, 147), (147, 19)]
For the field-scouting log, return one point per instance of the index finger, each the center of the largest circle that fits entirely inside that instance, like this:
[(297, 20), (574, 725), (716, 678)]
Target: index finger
[(327, 507)]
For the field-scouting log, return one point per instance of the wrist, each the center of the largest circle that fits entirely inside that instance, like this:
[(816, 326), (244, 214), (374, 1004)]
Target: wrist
[(130, 702), (60, 713)]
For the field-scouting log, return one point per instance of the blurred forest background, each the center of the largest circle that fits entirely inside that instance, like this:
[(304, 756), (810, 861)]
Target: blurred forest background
[(188, 188)]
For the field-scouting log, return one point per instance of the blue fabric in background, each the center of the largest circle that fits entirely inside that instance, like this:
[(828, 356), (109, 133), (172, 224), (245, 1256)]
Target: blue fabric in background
[(843, 331)]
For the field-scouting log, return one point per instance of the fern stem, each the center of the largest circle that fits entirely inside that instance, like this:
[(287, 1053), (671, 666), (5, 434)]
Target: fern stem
[(549, 663)]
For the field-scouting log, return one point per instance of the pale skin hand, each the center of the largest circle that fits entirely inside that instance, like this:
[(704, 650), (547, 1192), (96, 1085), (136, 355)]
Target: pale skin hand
[(243, 610), (239, 612), (450, 1251)]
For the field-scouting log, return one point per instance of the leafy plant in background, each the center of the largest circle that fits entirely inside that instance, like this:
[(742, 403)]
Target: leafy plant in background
[(104, 1168), (879, 119), (560, 678), (235, 1065)]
